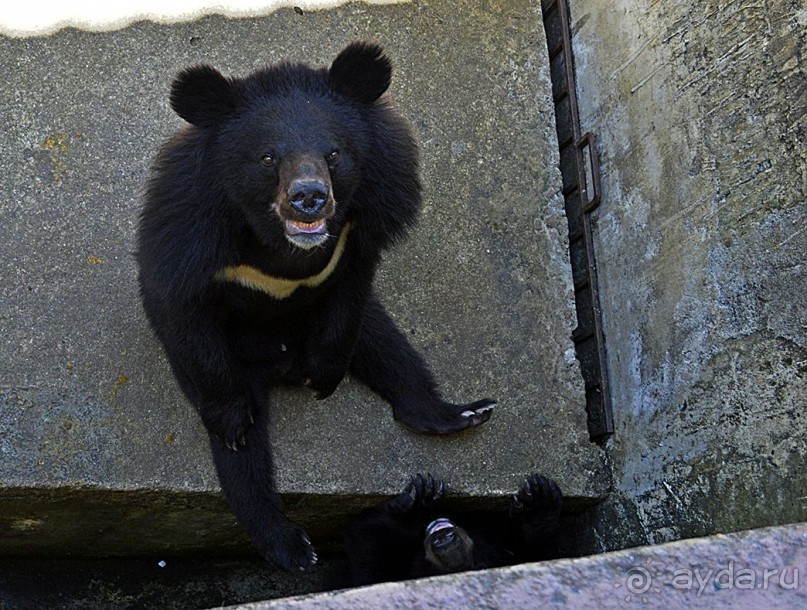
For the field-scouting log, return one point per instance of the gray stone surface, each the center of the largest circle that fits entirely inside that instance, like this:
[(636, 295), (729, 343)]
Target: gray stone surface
[(756, 569), (99, 452), (700, 113)]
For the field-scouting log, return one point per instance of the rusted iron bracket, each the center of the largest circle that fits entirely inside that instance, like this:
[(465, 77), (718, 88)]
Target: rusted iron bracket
[(580, 168)]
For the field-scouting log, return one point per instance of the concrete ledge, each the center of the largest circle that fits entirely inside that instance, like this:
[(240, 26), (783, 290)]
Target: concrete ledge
[(764, 568), (97, 444)]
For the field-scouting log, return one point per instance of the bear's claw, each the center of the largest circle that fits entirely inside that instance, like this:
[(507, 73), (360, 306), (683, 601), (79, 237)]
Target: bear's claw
[(289, 547), (421, 491), (535, 493), (479, 411)]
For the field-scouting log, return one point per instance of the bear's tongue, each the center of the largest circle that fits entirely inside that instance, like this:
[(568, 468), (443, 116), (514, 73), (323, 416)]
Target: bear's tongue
[(296, 227)]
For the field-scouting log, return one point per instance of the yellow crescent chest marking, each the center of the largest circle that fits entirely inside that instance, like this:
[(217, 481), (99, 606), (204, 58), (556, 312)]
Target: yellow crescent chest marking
[(281, 287)]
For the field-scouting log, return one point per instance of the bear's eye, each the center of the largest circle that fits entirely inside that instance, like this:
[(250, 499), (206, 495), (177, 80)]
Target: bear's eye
[(268, 160), (333, 156)]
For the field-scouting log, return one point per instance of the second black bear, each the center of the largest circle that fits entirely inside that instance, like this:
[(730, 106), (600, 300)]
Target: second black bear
[(264, 221), (409, 536)]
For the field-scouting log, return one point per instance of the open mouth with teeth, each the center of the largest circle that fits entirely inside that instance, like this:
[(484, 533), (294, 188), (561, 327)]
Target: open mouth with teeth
[(306, 234), (297, 227), (440, 532)]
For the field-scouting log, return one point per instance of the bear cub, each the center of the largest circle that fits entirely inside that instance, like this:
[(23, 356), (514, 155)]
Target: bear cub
[(264, 221), (411, 535)]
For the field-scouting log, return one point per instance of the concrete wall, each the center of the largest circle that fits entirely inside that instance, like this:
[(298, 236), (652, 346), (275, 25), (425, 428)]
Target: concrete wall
[(700, 242)]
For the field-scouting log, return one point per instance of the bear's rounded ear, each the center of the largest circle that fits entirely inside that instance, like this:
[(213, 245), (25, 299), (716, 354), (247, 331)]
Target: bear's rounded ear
[(202, 96), (362, 72)]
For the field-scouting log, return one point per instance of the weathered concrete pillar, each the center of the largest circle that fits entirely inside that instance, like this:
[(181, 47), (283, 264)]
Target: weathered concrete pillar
[(699, 109)]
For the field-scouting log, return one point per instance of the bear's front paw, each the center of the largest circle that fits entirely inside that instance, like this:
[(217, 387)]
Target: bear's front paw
[(231, 423), (420, 493), (440, 417), (323, 378), (537, 493), (287, 546)]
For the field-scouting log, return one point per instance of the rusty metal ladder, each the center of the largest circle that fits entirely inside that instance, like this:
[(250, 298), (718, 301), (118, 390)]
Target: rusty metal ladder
[(579, 166)]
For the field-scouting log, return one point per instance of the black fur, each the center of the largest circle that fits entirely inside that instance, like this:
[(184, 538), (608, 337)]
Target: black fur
[(272, 171), (391, 540)]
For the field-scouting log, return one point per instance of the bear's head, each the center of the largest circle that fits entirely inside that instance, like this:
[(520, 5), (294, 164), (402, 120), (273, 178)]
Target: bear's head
[(287, 143)]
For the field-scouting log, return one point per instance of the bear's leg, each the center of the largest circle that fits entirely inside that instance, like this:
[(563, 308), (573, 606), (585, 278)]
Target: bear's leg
[(384, 360), (535, 518), (247, 479)]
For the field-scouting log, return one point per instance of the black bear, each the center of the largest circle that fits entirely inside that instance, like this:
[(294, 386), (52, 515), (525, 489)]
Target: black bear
[(263, 224), (408, 536)]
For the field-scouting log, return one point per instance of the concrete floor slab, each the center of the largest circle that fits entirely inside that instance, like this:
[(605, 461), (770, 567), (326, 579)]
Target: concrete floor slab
[(99, 452)]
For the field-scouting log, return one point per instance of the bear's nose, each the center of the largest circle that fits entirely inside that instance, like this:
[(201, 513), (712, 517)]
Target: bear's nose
[(308, 196)]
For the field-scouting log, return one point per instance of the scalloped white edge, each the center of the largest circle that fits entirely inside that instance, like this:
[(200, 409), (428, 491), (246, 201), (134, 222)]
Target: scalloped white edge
[(42, 17)]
